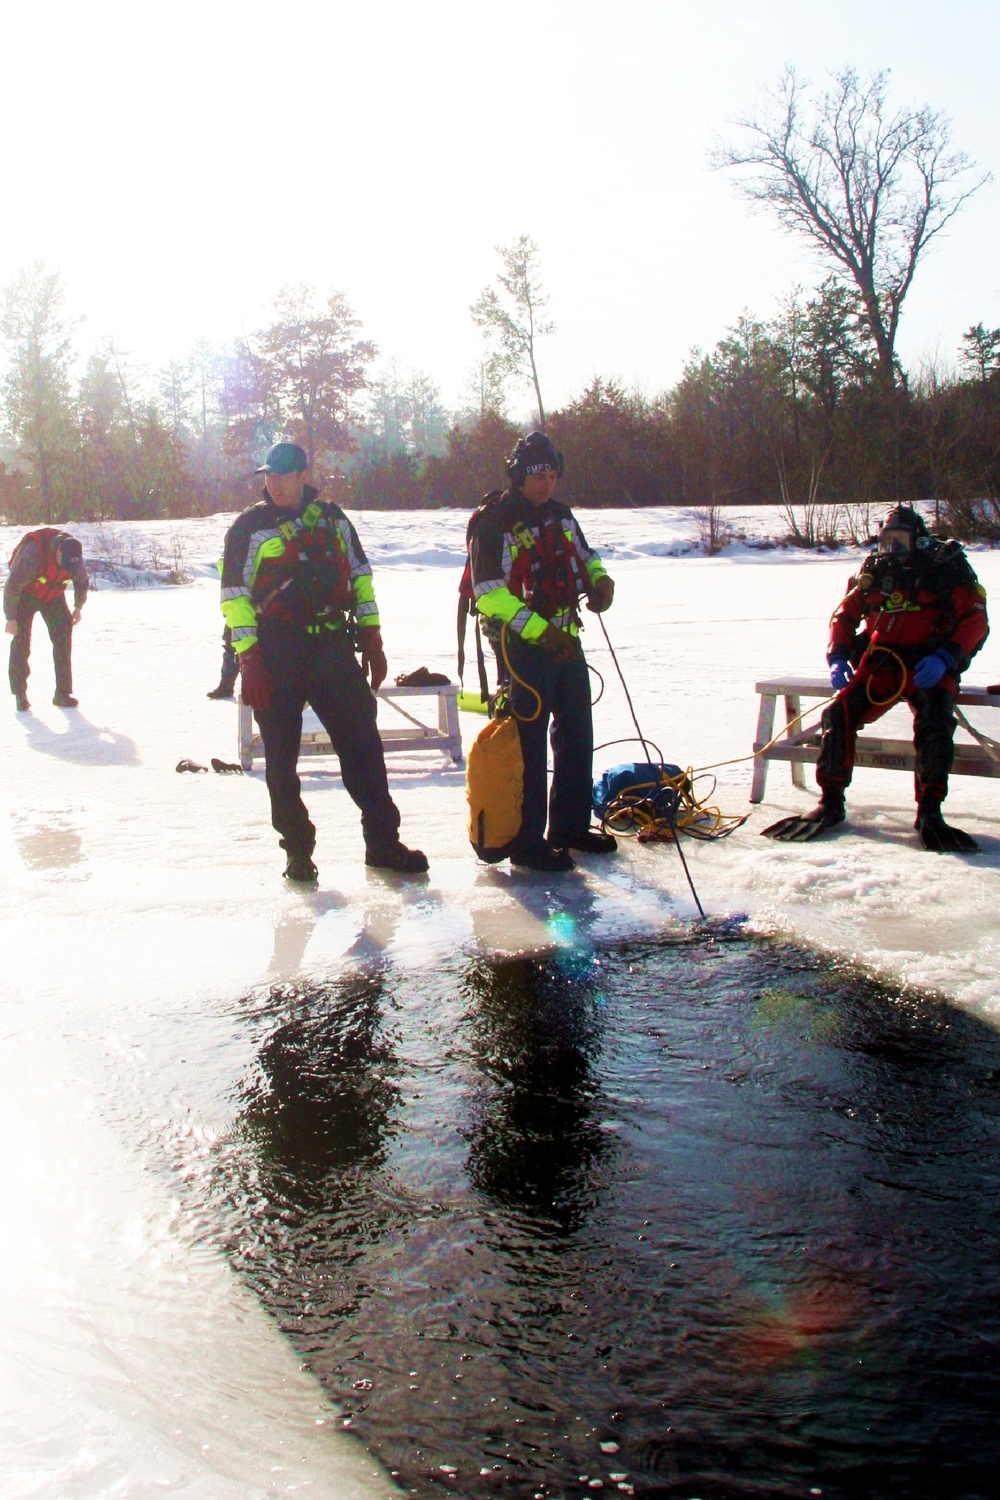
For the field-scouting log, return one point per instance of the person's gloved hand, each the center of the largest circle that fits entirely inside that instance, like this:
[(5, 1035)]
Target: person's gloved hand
[(601, 595), (559, 644), (373, 662), (256, 686), (841, 672), (930, 669)]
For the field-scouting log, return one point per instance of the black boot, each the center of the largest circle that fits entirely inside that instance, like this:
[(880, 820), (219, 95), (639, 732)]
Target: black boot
[(939, 836), (591, 841), (301, 869), (802, 830), (224, 690), (542, 857), (396, 857)]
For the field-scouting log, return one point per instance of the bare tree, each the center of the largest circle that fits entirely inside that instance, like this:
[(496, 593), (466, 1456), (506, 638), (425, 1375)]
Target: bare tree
[(870, 188), (513, 321)]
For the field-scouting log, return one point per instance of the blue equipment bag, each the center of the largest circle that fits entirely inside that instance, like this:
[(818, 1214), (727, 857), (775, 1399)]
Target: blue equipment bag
[(645, 780)]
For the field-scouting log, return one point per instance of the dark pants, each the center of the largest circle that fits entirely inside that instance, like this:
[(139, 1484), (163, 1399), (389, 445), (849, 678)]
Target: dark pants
[(565, 697), (230, 662), (60, 627), (321, 670), (878, 677)]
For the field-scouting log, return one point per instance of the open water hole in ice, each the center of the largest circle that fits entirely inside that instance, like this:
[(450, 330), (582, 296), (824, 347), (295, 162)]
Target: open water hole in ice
[(713, 1217)]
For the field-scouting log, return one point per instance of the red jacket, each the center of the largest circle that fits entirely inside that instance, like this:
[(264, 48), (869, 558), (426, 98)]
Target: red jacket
[(35, 569), (928, 600)]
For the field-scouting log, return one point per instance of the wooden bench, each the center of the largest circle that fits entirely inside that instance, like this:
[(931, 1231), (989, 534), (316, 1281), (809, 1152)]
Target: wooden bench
[(801, 744), (415, 733)]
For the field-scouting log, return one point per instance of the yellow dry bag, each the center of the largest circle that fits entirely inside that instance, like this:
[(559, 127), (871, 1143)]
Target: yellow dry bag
[(494, 785)]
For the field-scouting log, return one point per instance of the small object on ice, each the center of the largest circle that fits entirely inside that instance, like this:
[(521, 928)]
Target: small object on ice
[(422, 678), (226, 767), (190, 765)]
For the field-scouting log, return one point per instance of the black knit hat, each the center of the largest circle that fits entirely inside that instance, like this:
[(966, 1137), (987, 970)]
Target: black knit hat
[(533, 455)]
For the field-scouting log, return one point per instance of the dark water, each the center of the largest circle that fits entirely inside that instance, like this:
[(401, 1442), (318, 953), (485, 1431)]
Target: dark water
[(708, 1219)]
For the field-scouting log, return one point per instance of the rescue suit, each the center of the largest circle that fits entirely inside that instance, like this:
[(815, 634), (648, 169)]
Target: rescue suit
[(529, 568), (36, 584), (296, 582), (898, 610)]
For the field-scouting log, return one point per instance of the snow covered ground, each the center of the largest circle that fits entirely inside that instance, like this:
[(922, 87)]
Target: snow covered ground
[(131, 1359)]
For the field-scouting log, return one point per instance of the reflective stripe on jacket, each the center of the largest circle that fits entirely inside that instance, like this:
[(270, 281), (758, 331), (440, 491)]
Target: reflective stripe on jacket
[(530, 566), (306, 567)]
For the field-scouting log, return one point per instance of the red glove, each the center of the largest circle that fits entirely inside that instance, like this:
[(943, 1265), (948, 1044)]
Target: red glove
[(373, 662), (256, 686)]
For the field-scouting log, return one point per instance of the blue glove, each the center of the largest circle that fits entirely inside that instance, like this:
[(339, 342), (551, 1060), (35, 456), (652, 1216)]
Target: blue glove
[(930, 669), (841, 672)]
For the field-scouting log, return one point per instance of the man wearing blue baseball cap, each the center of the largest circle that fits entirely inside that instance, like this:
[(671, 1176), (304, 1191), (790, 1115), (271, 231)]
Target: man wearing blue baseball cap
[(295, 586)]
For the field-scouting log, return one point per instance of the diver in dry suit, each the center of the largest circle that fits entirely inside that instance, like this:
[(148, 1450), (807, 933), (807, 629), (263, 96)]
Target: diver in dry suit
[(530, 565), (907, 629)]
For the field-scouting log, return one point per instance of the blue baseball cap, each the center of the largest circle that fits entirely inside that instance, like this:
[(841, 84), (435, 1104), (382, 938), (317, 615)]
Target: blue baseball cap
[(284, 458)]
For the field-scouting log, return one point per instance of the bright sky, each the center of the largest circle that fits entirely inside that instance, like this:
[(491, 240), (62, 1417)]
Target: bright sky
[(177, 164)]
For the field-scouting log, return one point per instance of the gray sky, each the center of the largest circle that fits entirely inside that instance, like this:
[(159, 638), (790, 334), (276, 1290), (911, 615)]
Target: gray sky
[(178, 163)]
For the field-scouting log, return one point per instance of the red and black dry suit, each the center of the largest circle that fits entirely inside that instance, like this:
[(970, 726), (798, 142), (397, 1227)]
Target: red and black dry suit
[(899, 609), (37, 583), (290, 581), (530, 565)]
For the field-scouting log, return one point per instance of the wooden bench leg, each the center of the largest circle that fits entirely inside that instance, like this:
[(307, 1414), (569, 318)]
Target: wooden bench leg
[(793, 707), (245, 736), (449, 726), (765, 729)]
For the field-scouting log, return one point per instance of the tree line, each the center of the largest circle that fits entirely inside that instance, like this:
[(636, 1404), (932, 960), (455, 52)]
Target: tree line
[(806, 409)]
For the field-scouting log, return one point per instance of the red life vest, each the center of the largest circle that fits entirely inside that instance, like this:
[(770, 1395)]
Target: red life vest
[(310, 581), (52, 577), (548, 572)]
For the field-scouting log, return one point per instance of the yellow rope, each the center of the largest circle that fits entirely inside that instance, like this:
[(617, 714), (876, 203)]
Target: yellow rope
[(815, 708), (632, 813), (530, 719)]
